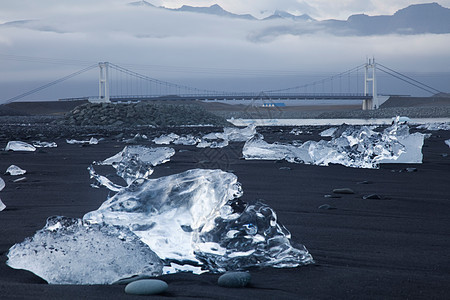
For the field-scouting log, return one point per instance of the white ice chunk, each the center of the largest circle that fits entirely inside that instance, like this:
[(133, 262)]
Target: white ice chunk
[(186, 217), (2, 205), (188, 140), (352, 146), (2, 184), (447, 142), (435, 126), (165, 139), (39, 144), (15, 170), (137, 161), (19, 146), (68, 251), (328, 132), (91, 141), (239, 135)]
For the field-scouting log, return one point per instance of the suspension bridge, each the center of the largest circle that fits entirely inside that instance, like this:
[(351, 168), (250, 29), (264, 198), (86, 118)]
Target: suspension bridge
[(119, 84)]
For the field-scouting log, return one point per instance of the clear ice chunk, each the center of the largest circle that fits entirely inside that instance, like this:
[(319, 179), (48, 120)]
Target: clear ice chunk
[(352, 146), (69, 251), (181, 217), (328, 132), (447, 142), (188, 140), (165, 139), (91, 141), (2, 205), (19, 146), (435, 126), (39, 144), (15, 170), (135, 162), (2, 184)]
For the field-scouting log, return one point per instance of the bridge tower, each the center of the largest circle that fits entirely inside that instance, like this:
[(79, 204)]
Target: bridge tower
[(103, 84), (370, 76)]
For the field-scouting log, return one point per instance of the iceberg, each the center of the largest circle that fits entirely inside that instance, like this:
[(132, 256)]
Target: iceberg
[(14, 170), (19, 146), (352, 146), (193, 218), (69, 251), (135, 162)]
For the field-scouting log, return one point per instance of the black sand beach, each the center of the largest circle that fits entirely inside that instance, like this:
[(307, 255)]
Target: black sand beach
[(396, 247)]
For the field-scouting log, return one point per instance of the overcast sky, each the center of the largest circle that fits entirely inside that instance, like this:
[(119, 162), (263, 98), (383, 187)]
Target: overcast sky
[(54, 38)]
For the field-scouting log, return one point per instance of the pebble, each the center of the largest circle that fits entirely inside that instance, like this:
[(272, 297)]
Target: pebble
[(332, 196), (365, 182), (372, 196), (146, 287), (326, 206), (234, 279), (343, 191)]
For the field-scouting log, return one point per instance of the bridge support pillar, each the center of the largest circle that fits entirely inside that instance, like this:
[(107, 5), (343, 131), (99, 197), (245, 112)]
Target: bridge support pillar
[(370, 77), (103, 82)]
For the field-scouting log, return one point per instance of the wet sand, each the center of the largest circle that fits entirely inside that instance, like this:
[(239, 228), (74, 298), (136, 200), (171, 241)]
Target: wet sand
[(396, 247)]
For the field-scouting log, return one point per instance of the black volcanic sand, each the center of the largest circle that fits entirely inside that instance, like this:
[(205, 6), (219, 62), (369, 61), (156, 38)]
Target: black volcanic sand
[(394, 247)]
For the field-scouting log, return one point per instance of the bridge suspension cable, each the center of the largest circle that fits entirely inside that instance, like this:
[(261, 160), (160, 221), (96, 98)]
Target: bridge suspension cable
[(408, 79), (50, 84), (322, 82)]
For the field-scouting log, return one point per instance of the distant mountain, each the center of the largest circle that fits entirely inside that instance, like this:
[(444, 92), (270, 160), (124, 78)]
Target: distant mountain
[(279, 14), (414, 19), (213, 10), (141, 3)]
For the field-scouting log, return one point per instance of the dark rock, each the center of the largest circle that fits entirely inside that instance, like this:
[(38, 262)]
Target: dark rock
[(331, 196), (326, 206), (234, 279), (146, 287), (372, 196), (365, 182), (343, 191)]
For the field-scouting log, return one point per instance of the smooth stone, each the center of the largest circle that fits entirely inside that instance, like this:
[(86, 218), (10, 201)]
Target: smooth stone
[(343, 191), (372, 196), (128, 280), (234, 279), (365, 182), (146, 287), (331, 196), (326, 206)]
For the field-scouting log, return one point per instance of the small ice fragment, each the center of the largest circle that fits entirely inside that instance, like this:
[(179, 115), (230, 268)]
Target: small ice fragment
[(70, 251), (20, 179), (447, 142), (165, 139), (328, 132), (2, 205), (91, 141), (19, 146), (2, 184), (135, 162), (435, 126), (187, 140), (39, 144), (15, 170)]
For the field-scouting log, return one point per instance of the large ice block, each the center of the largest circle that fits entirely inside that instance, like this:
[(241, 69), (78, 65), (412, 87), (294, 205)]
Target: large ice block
[(69, 251)]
